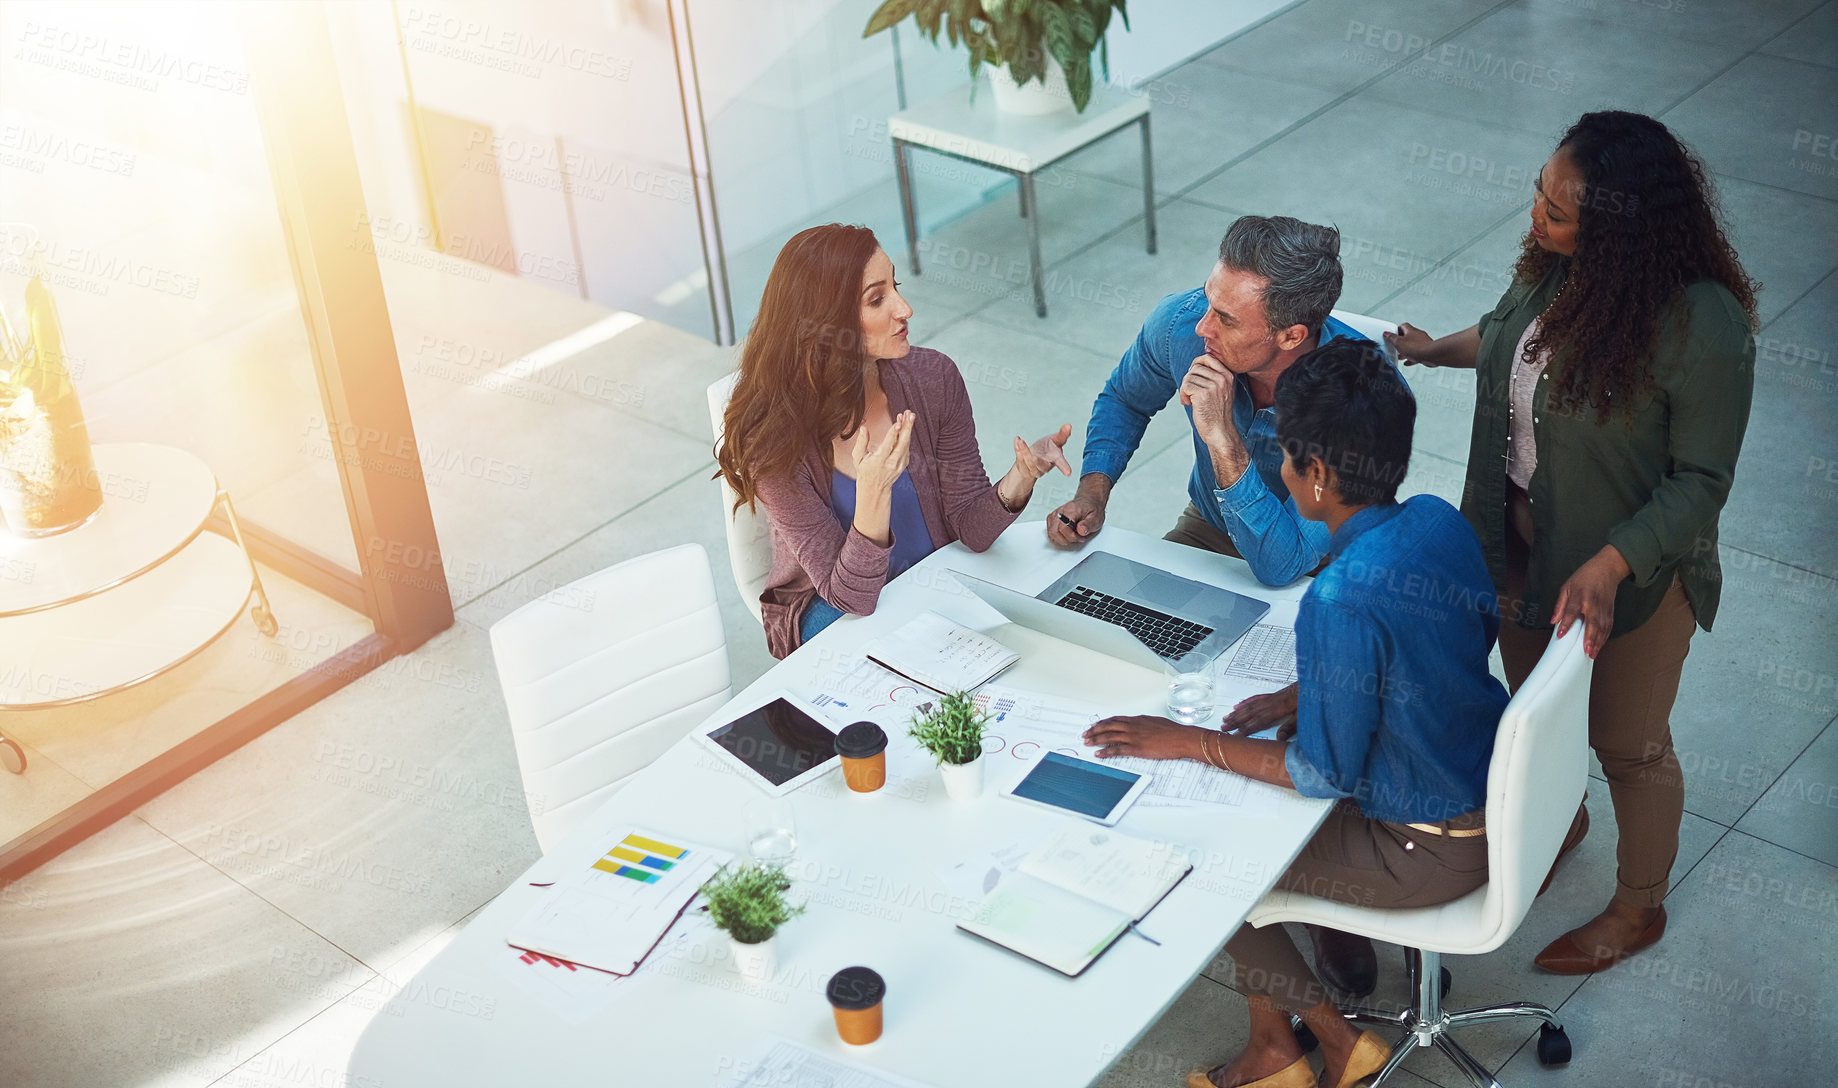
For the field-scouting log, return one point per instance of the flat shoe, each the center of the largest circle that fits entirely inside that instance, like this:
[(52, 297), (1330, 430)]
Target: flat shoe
[(1297, 1074), (1572, 839), (1369, 1056), (1565, 956)]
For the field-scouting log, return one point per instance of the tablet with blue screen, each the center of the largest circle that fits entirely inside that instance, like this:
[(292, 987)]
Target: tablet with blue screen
[(1079, 786)]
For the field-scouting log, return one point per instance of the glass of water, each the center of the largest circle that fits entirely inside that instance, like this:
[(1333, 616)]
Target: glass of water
[(1190, 688), (771, 833)]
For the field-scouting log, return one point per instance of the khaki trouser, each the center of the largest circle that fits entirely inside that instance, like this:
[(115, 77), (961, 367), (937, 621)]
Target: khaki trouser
[(1196, 532), (1370, 863), (1630, 707)]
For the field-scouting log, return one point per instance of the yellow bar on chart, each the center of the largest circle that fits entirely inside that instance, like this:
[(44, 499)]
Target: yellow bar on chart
[(655, 847), (626, 854)]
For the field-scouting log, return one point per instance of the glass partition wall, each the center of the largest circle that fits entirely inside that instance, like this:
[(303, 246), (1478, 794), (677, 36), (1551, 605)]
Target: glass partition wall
[(208, 478)]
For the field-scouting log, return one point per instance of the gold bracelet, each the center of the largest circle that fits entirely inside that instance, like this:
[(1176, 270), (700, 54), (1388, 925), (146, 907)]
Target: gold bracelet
[(1224, 764), (1219, 762), (1204, 754)]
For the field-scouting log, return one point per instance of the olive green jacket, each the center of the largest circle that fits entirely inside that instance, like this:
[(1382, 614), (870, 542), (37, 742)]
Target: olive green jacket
[(1652, 489)]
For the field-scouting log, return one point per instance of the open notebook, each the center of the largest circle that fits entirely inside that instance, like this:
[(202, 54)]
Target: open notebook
[(1076, 894)]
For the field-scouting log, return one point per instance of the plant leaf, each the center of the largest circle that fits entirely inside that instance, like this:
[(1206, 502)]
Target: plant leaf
[(1078, 79), (887, 15)]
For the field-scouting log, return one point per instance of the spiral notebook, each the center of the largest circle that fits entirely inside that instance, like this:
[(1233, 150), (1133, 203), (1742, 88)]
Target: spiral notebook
[(1075, 894), (941, 654)]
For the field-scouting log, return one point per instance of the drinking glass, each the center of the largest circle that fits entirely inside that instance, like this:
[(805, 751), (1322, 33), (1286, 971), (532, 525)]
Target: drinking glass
[(771, 832), (1190, 688)]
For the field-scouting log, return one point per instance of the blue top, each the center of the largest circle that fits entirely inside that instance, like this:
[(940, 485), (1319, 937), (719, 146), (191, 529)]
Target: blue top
[(1279, 544), (1395, 706), (911, 541)]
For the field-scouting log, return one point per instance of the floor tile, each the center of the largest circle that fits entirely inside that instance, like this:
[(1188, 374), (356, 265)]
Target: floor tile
[(1740, 26), (318, 1050), (1529, 68), (1099, 298), (1153, 491), (381, 814), (1782, 502), (127, 960), (1206, 1025), (1800, 811), (1738, 992), (1339, 45), (1813, 39), (510, 480), (1767, 119), (1399, 215), (686, 512), (1189, 136), (1787, 241), (1758, 688)]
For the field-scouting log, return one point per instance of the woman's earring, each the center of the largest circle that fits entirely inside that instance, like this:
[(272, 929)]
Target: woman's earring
[(1317, 492)]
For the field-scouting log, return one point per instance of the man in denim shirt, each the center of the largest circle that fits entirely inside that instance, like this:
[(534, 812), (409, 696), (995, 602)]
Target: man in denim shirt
[(1222, 348)]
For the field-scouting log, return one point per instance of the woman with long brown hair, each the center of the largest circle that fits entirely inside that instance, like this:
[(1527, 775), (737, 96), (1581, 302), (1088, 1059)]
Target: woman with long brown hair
[(860, 446), (1614, 383)]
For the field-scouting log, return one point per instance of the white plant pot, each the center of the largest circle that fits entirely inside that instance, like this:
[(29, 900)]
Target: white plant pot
[(758, 962), (1034, 98), (963, 781)]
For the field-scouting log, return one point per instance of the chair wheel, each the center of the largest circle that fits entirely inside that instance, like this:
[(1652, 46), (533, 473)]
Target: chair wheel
[(1553, 1046), (1305, 1038), (1448, 983), (12, 756)]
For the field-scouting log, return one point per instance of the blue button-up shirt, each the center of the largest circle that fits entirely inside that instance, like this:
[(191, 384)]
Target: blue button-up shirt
[(1256, 511), (1395, 707)]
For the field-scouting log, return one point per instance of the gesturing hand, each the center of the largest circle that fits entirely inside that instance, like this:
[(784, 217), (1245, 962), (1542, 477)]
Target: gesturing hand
[(878, 467), (1048, 452), (1143, 736), (1589, 595), (1410, 342), (1260, 712)]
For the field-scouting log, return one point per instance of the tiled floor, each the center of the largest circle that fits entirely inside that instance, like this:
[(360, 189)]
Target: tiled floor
[(242, 929)]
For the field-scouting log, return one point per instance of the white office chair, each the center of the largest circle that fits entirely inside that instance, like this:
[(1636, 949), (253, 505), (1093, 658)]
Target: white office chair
[(602, 675), (1534, 783), (1369, 327), (749, 532)]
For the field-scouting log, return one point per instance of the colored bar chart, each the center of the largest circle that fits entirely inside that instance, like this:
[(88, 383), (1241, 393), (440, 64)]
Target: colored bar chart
[(641, 859)]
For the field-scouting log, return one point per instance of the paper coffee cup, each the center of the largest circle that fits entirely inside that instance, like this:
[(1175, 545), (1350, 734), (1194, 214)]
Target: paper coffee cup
[(855, 997), (863, 750)]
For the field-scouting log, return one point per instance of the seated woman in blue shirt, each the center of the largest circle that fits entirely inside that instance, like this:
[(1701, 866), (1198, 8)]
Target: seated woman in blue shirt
[(1395, 713)]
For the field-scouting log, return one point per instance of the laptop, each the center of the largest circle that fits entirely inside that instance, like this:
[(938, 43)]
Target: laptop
[(1128, 610)]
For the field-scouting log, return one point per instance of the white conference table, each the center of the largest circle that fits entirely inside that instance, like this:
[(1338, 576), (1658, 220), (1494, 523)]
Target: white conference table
[(958, 1011)]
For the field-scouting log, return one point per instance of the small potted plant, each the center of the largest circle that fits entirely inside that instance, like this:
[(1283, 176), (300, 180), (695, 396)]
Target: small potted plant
[(952, 730), (1048, 40), (748, 904)]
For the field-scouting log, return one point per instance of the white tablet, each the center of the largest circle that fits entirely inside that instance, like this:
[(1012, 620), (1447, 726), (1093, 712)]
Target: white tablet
[(777, 746), (1079, 786)]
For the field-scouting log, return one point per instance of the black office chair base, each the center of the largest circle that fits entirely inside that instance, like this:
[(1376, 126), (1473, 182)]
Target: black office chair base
[(1426, 1024)]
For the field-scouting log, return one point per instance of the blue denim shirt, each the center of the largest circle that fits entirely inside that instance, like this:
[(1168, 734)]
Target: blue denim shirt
[(1255, 512), (1395, 707)]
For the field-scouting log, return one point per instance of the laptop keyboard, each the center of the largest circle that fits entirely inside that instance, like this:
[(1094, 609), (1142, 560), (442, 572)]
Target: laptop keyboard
[(1169, 636)]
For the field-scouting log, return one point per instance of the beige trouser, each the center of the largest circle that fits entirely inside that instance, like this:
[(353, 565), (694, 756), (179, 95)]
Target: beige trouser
[(1630, 707), (1370, 863), (1194, 531)]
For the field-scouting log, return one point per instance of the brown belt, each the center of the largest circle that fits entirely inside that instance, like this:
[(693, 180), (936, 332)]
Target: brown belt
[(1451, 832)]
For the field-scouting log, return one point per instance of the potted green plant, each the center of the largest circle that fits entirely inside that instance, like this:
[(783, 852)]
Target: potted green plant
[(748, 904), (1030, 39), (952, 730)]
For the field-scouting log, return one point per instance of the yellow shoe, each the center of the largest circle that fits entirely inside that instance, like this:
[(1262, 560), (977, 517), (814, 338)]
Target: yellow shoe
[(1295, 1075), (1369, 1056)]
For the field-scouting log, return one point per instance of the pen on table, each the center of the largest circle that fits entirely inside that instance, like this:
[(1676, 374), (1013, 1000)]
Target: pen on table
[(1144, 936)]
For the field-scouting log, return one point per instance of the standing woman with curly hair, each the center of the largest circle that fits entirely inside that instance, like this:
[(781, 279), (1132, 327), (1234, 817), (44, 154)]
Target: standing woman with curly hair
[(859, 445), (1614, 383)]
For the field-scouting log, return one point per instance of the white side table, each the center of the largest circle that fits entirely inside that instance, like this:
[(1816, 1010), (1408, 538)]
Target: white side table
[(951, 124), (134, 591)]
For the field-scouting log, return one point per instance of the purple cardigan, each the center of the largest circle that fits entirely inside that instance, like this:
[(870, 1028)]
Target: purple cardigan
[(813, 553)]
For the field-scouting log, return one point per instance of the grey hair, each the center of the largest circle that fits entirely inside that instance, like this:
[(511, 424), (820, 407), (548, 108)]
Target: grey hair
[(1299, 262)]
